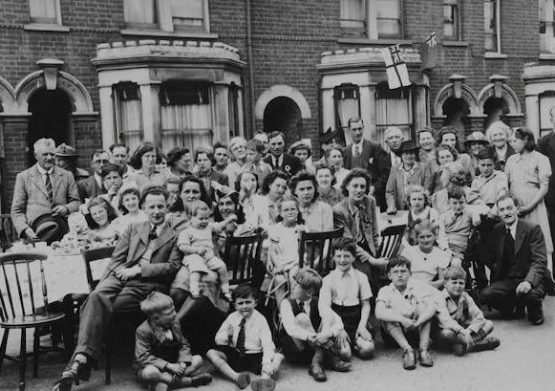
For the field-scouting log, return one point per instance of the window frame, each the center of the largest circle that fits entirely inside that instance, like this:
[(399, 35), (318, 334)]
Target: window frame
[(497, 29), (547, 41), (456, 4), (121, 134), (370, 21), (55, 21), (410, 92), (337, 90)]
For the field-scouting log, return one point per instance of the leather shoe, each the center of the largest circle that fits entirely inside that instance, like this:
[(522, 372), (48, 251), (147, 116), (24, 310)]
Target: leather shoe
[(426, 359), (243, 380), (519, 312), (488, 343), (317, 372), (336, 364), (459, 349), (409, 360), (537, 321), (201, 380), (261, 384)]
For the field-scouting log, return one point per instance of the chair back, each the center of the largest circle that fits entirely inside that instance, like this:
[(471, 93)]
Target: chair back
[(391, 241), (242, 254), (315, 250), (8, 234), (95, 260), (22, 286)]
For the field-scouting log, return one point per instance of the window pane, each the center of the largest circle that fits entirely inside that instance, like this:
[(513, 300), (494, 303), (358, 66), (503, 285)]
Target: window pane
[(490, 28), (393, 108), (129, 114), (388, 17), (139, 11), (43, 11), (188, 13)]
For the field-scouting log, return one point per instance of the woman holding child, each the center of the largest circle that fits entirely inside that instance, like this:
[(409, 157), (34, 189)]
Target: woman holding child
[(317, 215)]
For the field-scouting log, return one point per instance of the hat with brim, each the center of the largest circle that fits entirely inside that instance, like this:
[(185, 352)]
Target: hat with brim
[(476, 137), (64, 150), (50, 228), (407, 147)]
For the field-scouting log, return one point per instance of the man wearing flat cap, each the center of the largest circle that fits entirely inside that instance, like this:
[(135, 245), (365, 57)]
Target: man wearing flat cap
[(44, 196), (66, 158)]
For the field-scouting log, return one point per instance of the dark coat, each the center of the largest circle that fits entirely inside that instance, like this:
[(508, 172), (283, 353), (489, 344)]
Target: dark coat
[(291, 164), (88, 188), (546, 146)]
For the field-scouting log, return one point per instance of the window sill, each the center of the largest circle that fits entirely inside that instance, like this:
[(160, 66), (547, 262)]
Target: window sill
[(546, 56), (495, 55), (378, 42), (174, 34), (46, 27), (455, 43)]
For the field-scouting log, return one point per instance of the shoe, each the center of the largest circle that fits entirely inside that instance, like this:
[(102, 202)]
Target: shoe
[(537, 322), (488, 343), (261, 384), (409, 360), (519, 312), (243, 380), (201, 380), (78, 370), (317, 372), (459, 349), (426, 359), (336, 364)]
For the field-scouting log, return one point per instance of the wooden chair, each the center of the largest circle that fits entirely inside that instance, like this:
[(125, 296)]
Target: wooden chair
[(242, 257), (315, 250), (391, 241), (8, 234), (18, 271)]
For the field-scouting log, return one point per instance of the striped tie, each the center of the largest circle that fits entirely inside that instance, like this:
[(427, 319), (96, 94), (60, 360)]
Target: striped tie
[(241, 337), (49, 188)]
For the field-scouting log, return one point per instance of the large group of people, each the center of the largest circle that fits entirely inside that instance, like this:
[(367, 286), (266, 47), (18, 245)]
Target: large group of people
[(168, 217)]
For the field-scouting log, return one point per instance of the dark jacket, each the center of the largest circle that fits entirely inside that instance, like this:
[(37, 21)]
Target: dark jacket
[(546, 146), (290, 165), (88, 188)]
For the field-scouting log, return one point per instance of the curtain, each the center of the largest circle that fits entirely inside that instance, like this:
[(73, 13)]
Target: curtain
[(490, 29), (187, 13), (450, 18), (353, 14), (128, 112), (139, 11), (388, 17), (42, 10), (393, 109), (187, 126)]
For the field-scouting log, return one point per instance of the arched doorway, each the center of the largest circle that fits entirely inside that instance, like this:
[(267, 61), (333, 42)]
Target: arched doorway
[(283, 114), (456, 111), (495, 109), (50, 117)]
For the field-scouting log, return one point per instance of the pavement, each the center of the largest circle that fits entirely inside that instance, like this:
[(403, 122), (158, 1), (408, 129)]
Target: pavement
[(524, 361)]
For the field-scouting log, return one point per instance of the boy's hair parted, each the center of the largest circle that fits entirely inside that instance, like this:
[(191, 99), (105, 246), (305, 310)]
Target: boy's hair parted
[(397, 261), (345, 244), (243, 291), (454, 273), (308, 279), (156, 302)]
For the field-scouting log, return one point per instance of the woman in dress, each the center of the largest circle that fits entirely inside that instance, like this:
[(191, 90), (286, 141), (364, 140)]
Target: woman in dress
[(144, 162), (180, 162), (333, 156), (238, 152), (327, 192), (99, 219), (498, 134), (129, 207), (444, 154), (317, 215), (254, 206), (448, 136), (528, 172), (191, 189), (274, 189)]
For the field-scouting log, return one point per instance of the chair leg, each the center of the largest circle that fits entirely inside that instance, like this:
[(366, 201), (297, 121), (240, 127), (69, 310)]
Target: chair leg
[(3, 347), (108, 359), (36, 348), (22, 360)]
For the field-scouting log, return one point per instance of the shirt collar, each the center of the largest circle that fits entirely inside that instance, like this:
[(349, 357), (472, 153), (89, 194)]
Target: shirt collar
[(512, 228), (43, 172), (353, 208)]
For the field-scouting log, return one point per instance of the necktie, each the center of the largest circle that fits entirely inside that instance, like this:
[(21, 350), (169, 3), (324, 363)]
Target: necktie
[(240, 346), (509, 242), (49, 188), (152, 234), (357, 150)]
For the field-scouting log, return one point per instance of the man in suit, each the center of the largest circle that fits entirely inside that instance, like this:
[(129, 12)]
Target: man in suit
[(119, 155), (368, 156), (517, 259), (44, 195), (393, 138), (146, 258), (546, 145), (92, 186), (278, 159)]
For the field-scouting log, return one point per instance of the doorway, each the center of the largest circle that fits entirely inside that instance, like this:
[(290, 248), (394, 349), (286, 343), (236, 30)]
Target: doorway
[(283, 114), (456, 111)]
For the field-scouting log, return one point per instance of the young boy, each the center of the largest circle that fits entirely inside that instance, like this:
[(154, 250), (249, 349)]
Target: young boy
[(162, 354), (490, 183), (406, 307), (244, 344), (311, 336), (460, 324), (347, 292)]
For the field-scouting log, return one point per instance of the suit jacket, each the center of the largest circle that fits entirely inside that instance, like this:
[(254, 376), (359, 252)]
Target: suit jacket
[(164, 262), (290, 165), (345, 217), (30, 197), (530, 252), (377, 162), (546, 145), (153, 348), (89, 188), (395, 191)]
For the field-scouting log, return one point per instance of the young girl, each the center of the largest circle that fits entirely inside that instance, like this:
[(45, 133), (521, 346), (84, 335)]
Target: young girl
[(428, 262), (420, 211), (327, 192), (129, 200), (196, 243), (283, 255), (255, 207)]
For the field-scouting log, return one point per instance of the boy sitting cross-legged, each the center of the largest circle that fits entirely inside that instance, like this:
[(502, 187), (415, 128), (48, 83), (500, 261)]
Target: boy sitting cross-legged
[(406, 307), (461, 325), (309, 335), (347, 292), (244, 344), (162, 354)]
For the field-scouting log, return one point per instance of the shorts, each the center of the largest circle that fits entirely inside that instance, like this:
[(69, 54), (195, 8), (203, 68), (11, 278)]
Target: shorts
[(351, 317), (196, 263), (242, 362)]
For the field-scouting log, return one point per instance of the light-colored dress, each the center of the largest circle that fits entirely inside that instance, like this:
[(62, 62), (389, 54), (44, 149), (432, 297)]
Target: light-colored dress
[(526, 173)]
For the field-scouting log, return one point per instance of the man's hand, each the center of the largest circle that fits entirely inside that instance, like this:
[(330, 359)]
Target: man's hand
[(409, 324), (31, 235), (269, 369), (60, 210), (363, 333), (320, 339), (465, 334), (380, 262), (128, 273), (391, 210), (176, 369), (202, 251), (523, 288)]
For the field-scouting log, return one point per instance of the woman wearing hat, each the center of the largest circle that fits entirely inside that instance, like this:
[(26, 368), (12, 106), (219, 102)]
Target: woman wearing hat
[(66, 158), (301, 149), (476, 143), (409, 172)]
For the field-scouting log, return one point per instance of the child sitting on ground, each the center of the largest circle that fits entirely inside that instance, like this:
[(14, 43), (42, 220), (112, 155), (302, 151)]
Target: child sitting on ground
[(405, 307), (460, 324), (309, 335), (162, 354), (244, 344), (347, 292), (196, 243), (427, 261)]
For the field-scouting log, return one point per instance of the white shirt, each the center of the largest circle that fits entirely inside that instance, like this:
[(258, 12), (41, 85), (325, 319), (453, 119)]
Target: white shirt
[(277, 162), (357, 148), (347, 289), (98, 180), (512, 229), (43, 172)]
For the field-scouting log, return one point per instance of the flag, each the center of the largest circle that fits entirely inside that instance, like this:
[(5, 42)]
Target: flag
[(429, 52), (396, 68), (431, 41)]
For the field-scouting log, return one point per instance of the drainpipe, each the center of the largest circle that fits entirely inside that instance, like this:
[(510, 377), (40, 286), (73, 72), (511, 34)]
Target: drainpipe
[(250, 64)]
